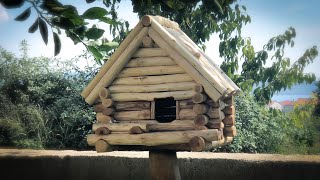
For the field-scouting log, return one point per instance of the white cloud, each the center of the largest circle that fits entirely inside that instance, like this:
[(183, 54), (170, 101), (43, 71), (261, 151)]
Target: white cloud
[(3, 14)]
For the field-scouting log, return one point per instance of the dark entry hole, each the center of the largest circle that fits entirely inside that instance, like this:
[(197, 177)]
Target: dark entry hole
[(165, 110)]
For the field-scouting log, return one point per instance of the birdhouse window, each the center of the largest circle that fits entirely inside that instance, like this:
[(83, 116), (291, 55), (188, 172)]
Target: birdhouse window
[(165, 110)]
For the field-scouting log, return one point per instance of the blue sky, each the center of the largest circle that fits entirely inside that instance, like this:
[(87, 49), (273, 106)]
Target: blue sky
[(269, 18)]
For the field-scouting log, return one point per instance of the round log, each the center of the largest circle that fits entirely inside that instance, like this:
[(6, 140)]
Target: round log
[(201, 120), (198, 88), (215, 125), (101, 118), (104, 93), (107, 111), (102, 131), (200, 108), (135, 130), (106, 102), (147, 42), (230, 110), (200, 128), (229, 131), (229, 120), (199, 98), (197, 143), (146, 21), (102, 146), (164, 165)]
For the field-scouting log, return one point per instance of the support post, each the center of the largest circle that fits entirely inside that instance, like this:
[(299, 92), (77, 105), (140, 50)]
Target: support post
[(164, 165)]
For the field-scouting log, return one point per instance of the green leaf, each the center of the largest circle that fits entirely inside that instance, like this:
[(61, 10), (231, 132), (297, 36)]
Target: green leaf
[(97, 55), (90, 1), (57, 44), (108, 20), (23, 16), (94, 13), (94, 33), (108, 46), (43, 30), (34, 26)]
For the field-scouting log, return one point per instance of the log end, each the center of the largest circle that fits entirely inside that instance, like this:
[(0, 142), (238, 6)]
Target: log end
[(199, 98), (230, 131), (102, 131), (201, 120), (197, 143), (146, 20), (135, 130), (102, 146)]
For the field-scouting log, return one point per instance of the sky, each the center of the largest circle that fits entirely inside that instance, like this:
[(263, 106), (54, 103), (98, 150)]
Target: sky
[(269, 18)]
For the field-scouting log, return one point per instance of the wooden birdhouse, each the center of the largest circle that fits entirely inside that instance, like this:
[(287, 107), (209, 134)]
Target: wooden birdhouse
[(160, 91)]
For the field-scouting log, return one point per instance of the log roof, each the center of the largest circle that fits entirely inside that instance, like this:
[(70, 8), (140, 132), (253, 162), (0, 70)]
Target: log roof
[(169, 37)]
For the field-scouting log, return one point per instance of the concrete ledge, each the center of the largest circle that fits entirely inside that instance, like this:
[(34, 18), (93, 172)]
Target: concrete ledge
[(78, 165)]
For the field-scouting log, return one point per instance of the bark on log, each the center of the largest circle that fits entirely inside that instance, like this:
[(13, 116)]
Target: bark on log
[(199, 98), (186, 114), (197, 144), (132, 115), (177, 95), (201, 120), (150, 52), (151, 61), (150, 71), (153, 79), (179, 86), (147, 42), (155, 138), (132, 35), (101, 118), (230, 110), (230, 131), (117, 66), (121, 127), (229, 120), (132, 106), (102, 146), (186, 104), (200, 108)]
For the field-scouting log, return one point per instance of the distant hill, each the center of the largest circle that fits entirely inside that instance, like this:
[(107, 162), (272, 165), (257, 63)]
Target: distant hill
[(297, 91)]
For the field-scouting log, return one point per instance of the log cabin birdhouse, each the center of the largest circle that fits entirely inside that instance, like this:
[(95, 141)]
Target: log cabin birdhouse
[(160, 91)]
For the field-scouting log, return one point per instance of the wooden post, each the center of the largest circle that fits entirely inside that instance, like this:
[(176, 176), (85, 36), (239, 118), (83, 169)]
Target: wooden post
[(164, 165)]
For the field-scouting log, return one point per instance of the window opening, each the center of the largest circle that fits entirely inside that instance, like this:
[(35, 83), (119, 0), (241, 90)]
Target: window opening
[(165, 110)]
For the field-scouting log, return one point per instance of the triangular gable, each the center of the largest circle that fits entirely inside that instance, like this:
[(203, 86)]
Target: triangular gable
[(202, 71)]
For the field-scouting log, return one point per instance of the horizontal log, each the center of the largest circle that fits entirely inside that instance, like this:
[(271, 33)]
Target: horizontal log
[(230, 131), (201, 128), (150, 52), (150, 71), (200, 108), (179, 86), (187, 114), (151, 61), (155, 138), (198, 88), (230, 110), (135, 130), (186, 104), (131, 115), (107, 111), (153, 79), (201, 120), (147, 42), (177, 95), (101, 118), (119, 127), (199, 98), (104, 93), (102, 146), (102, 131), (215, 113), (132, 106), (99, 107), (229, 120), (197, 143), (175, 125), (220, 104), (215, 125)]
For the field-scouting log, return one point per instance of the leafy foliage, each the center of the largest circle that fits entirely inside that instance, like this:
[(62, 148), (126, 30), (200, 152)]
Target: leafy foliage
[(317, 94)]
